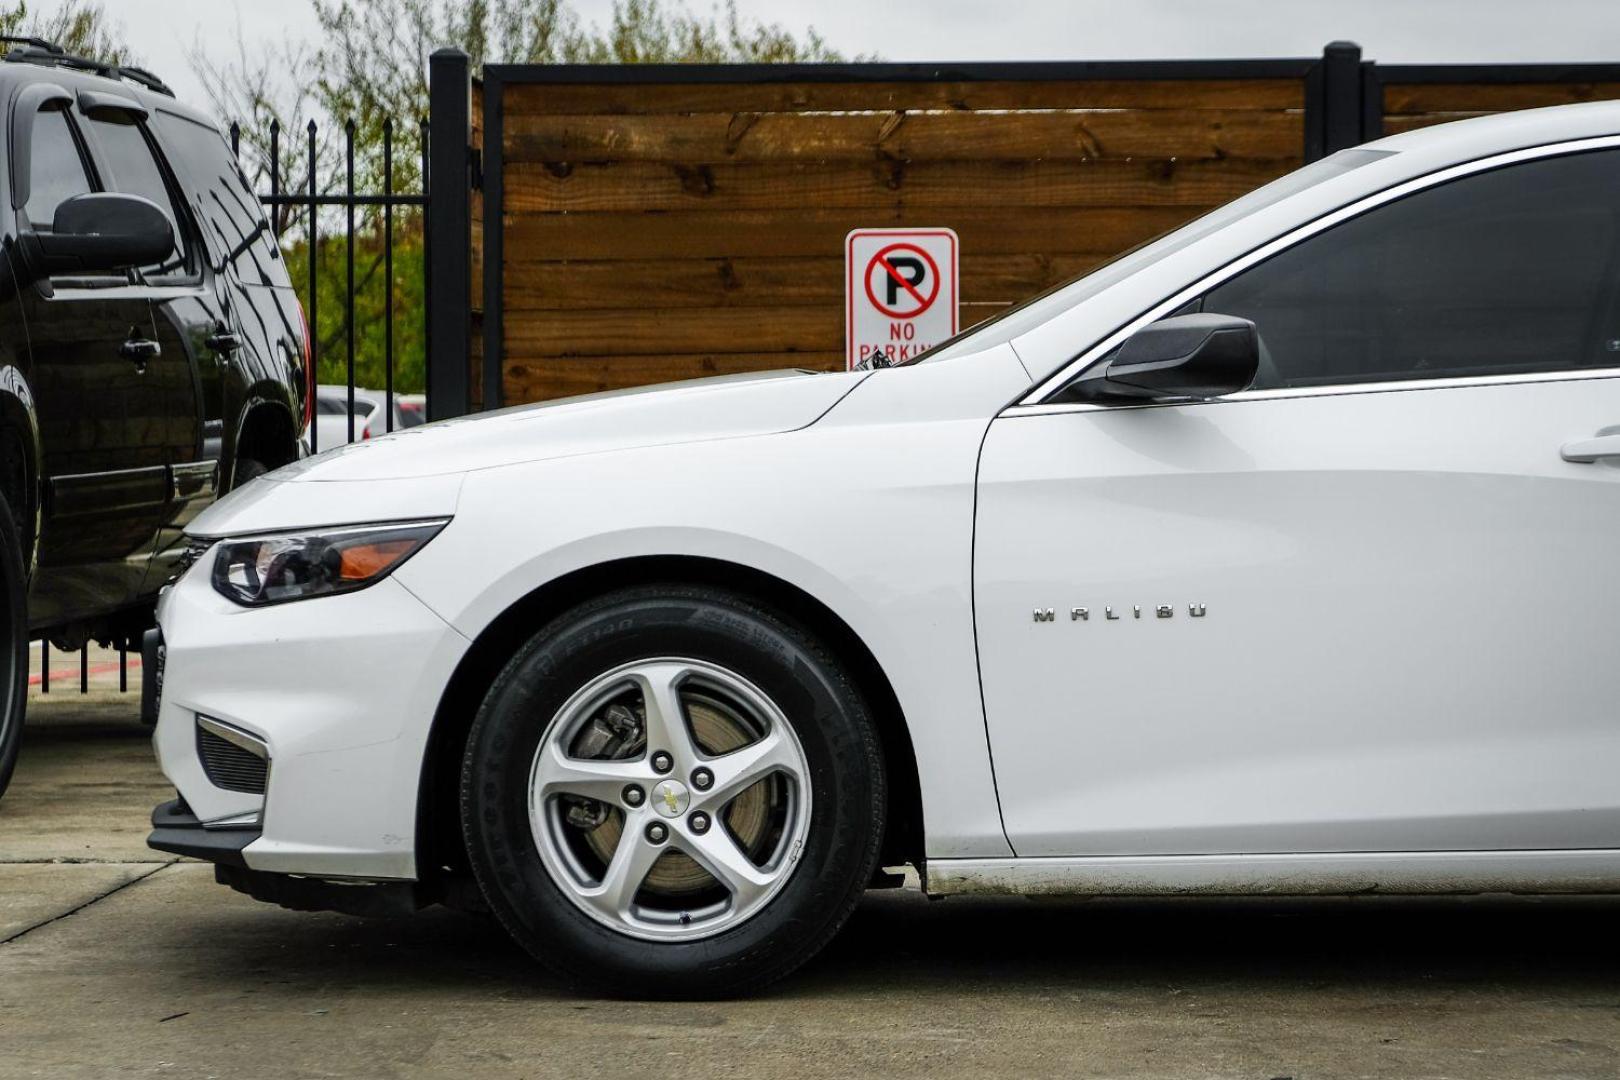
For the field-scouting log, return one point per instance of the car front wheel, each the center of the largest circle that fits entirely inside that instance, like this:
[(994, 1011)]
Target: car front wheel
[(673, 792)]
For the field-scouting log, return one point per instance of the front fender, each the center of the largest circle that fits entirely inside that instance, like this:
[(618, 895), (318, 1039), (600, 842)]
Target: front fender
[(883, 541)]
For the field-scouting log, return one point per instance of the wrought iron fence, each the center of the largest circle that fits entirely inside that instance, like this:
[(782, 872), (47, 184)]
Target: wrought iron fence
[(316, 204)]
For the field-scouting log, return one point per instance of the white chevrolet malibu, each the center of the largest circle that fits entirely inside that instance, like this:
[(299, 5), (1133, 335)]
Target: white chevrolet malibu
[(1281, 555)]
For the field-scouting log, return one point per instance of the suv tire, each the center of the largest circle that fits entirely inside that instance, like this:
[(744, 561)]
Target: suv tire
[(13, 643)]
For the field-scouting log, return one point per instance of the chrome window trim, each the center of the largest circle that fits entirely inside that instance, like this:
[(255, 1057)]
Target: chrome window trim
[(1460, 382), (1035, 399)]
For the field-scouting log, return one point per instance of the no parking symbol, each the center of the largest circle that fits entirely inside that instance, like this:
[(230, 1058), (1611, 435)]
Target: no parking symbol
[(900, 294)]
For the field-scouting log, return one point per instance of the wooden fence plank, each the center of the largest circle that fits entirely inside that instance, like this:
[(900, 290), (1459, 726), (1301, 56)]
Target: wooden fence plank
[(542, 378), (1008, 230), (642, 332), (755, 282), (1402, 98), (1064, 135), (647, 186), (665, 98)]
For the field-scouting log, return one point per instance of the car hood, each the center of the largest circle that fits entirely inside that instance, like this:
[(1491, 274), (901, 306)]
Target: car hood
[(725, 407)]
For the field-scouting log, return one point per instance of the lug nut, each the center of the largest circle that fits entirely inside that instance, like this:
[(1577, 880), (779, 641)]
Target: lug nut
[(702, 779), (662, 762), (700, 822), (633, 795), (657, 832)]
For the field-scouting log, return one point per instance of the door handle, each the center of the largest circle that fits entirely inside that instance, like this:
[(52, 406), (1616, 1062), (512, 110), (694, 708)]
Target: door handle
[(139, 350), (1587, 451), (223, 342)]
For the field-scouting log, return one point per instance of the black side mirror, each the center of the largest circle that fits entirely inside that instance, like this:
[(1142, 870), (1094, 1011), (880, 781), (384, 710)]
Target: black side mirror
[(1188, 356), (99, 233)]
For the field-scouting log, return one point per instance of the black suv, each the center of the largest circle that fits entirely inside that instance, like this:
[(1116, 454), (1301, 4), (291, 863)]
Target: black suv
[(152, 353)]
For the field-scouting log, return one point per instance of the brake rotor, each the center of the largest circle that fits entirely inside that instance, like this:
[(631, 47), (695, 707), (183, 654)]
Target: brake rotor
[(717, 730)]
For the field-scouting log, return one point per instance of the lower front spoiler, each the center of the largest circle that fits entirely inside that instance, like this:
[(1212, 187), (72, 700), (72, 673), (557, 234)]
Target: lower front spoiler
[(175, 829)]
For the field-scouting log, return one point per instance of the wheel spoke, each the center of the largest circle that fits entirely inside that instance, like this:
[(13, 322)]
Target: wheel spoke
[(634, 856), (740, 770), (667, 728), (719, 854), (605, 781)]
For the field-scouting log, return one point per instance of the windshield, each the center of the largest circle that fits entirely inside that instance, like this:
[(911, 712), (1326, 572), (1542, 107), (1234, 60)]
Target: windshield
[(1021, 318)]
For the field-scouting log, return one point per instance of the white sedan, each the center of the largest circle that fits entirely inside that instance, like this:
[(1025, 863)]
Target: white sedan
[(1277, 556)]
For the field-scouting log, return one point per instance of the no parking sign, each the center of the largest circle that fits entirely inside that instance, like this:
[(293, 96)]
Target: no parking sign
[(900, 294)]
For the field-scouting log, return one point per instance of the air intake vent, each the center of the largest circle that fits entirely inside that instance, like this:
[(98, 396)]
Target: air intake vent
[(228, 765)]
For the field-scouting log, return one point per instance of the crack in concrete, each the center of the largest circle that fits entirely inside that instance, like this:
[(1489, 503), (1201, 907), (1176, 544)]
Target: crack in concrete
[(98, 898), (70, 860)]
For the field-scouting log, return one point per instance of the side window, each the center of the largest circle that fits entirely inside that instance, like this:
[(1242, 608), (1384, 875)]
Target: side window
[(56, 171), (134, 171), (1508, 271), (227, 210)]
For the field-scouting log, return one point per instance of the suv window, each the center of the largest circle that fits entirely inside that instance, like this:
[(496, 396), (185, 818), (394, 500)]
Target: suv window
[(227, 209), (135, 171), (1508, 271), (56, 171)]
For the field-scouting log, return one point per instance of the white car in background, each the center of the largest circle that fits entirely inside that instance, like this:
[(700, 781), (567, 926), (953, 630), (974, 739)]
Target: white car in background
[(1276, 556), (371, 415)]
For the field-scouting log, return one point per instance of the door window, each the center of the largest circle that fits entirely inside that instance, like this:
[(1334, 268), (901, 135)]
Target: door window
[(134, 170), (227, 209), (1508, 271), (56, 171)]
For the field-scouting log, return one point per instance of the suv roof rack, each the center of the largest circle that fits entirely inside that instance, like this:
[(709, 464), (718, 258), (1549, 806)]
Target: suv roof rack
[(34, 50)]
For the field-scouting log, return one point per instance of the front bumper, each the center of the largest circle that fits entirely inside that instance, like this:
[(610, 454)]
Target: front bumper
[(341, 691)]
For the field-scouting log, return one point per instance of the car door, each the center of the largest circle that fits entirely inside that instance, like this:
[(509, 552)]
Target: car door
[(1368, 605), (113, 402)]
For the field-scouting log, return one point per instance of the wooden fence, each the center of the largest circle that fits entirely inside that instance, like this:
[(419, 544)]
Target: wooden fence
[(670, 221)]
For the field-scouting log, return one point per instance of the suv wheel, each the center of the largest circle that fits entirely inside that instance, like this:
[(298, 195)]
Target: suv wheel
[(671, 792), (13, 643)]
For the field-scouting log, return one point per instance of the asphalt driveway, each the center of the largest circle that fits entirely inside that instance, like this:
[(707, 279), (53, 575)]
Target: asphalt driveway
[(115, 960)]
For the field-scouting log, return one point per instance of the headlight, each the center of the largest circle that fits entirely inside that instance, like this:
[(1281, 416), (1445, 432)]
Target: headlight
[(278, 567)]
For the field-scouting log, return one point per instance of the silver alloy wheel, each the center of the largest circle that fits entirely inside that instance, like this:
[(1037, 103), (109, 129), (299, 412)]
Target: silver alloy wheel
[(658, 814)]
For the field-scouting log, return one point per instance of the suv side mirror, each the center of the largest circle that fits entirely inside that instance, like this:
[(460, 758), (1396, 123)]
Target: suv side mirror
[(99, 233), (1187, 356)]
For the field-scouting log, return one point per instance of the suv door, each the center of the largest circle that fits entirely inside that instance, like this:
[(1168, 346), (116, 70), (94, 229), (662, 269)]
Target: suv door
[(190, 318), (116, 408), (1368, 605)]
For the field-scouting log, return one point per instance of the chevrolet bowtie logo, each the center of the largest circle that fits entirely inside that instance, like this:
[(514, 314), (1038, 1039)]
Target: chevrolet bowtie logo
[(670, 801)]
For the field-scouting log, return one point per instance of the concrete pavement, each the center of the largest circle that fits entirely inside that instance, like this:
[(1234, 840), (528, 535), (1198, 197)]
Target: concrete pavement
[(116, 962)]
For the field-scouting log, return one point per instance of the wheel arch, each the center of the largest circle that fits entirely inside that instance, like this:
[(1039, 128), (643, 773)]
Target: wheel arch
[(438, 833), (21, 480), (264, 431)]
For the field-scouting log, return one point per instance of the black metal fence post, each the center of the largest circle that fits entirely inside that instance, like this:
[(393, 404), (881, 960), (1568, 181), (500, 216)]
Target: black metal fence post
[(449, 236), (1334, 114)]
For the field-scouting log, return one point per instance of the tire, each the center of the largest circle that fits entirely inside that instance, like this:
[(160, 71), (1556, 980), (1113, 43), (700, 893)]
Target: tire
[(13, 643), (678, 937), (247, 469)]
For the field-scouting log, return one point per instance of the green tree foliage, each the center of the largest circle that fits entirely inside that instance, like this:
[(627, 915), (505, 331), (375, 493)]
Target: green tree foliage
[(370, 306)]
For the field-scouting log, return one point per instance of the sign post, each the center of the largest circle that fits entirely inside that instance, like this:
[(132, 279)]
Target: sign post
[(900, 294)]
